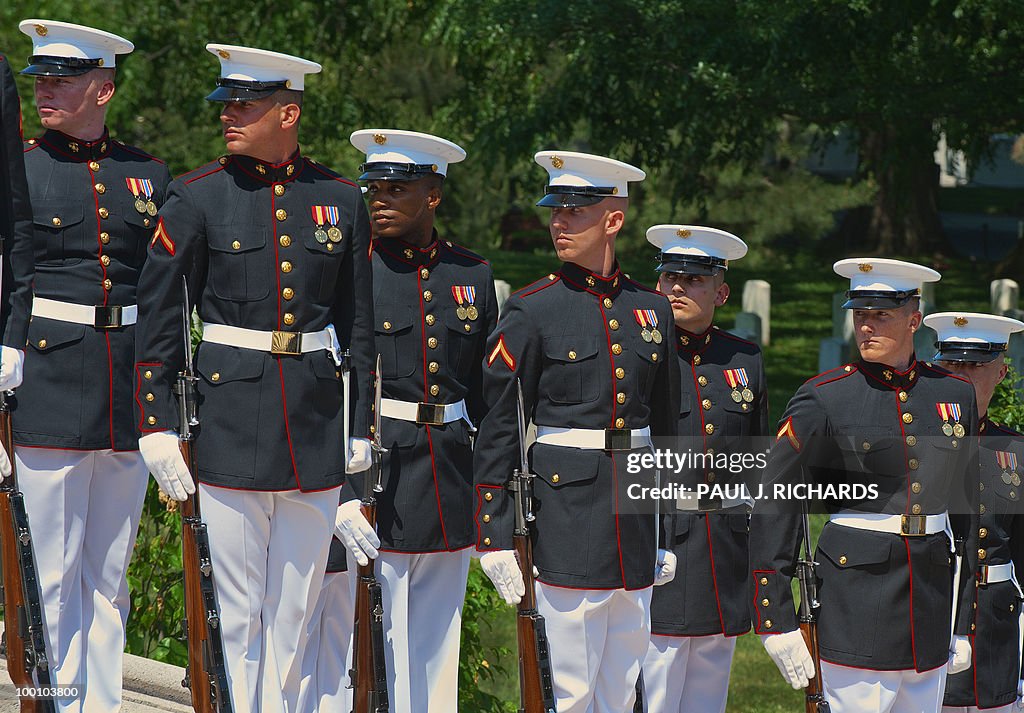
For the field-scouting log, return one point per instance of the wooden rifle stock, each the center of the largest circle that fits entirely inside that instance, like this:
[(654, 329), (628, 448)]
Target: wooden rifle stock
[(23, 624), (814, 695), (536, 694), (369, 674)]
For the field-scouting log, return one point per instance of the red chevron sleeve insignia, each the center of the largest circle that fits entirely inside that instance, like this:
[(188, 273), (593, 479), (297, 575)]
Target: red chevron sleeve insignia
[(501, 351), (787, 431), (160, 236)]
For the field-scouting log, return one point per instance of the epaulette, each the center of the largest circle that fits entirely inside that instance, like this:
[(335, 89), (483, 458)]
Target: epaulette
[(1005, 430), (642, 286), (203, 171), (464, 252), (31, 144), (135, 150), (827, 377), (538, 285), (943, 372)]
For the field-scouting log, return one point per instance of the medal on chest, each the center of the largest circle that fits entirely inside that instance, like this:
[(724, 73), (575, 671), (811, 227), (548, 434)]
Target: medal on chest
[(648, 321), (737, 378), (949, 411), (465, 297), (326, 218), (142, 189)]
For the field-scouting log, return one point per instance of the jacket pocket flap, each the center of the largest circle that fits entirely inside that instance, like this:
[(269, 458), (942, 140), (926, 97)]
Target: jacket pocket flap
[(56, 214), (236, 238), (570, 349), (559, 466), (852, 547), (45, 335), (220, 364)]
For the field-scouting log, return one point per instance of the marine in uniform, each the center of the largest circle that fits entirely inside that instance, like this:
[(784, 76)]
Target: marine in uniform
[(274, 247), (94, 204), (17, 254), (723, 409), (434, 306), (974, 346), (597, 390), (896, 441)]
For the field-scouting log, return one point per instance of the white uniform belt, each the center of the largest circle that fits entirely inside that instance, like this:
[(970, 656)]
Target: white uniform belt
[(292, 343), (906, 525), (610, 439), (430, 414), (992, 573), (100, 317)]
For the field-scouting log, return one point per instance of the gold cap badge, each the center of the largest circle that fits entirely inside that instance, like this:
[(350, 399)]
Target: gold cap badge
[(960, 321), (557, 162), (41, 30), (866, 267), (380, 139), (683, 233), (224, 54)]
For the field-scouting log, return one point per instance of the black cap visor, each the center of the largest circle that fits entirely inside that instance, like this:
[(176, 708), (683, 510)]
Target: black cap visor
[(239, 90), (40, 65), (393, 171), (574, 196), (691, 264), (878, 299), (969, 352)]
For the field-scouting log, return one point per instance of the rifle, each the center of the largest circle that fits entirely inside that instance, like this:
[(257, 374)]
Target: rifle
[(23, 609), (206, 674), (814, 696), (536, 694), (368, 676)]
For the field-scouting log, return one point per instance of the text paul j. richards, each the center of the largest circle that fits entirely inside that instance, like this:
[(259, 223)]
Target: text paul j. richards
[(777, 491)]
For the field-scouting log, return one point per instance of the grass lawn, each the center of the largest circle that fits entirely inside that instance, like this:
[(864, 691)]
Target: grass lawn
[(801, 317)]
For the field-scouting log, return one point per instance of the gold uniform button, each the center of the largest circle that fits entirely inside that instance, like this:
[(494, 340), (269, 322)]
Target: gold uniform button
[(616, 349), (107, 284), (709, 428), (487, 541), (235, 245), (842, 559), (150, 397), (222, 160), (151, 420), (654, 356), (711, 477), (104, 213), (555, 478), (706, 403), (424, 273), (904, 396), (387, 326), (973, 627), (105, 260), (56, 221), (696, 359), (432, 342), (281, 213), (982, 554), (620, 423), (702, 380), (100, 188), (765, 602), (427, 295), (288, 318), (767, 623), (620, 397), (285, 240), (41, 344), (613, 324), (488, 497), (286, 266), (433, 367), (104, 238), (430, 319), (94, 165), (467, 327), (607, 303), (215, 376), (916, 509), (572, 355), (911, 441), (908, 418), (866, 445), (330, 247), (620, 373), (983, 533), (916, 487), (148, 374), (435, 390), (287, 293), (914, 463), (764, 581), (278, 190), (487, 518)]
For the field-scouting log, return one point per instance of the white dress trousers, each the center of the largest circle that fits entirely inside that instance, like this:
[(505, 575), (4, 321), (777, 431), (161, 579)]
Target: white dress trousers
[(269, 552), (83, 510), (598, 639), (328, 656), (858, 690), (688, 674)]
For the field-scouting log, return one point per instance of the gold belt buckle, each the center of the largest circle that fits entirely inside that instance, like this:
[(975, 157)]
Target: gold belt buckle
[(913, 525), (289, 343), (107, 317), (430, 414), (983, 574), (618, 439)]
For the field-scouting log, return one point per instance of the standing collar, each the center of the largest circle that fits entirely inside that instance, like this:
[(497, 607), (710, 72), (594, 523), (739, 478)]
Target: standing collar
[(269, 172), (889, 376), (591, 282), (76, 149), (410, 254), (695, 343)]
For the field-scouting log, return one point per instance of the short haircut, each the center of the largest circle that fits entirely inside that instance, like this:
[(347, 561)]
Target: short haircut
[(288, 96)]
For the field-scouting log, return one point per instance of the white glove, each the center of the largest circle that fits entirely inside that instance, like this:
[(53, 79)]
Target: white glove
[(665, 567), (12, 362), (959, 655), (502, 568), (359, 456), (5, 463), (355, 532), (1020, 695), (790, 654), (162, 456)]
